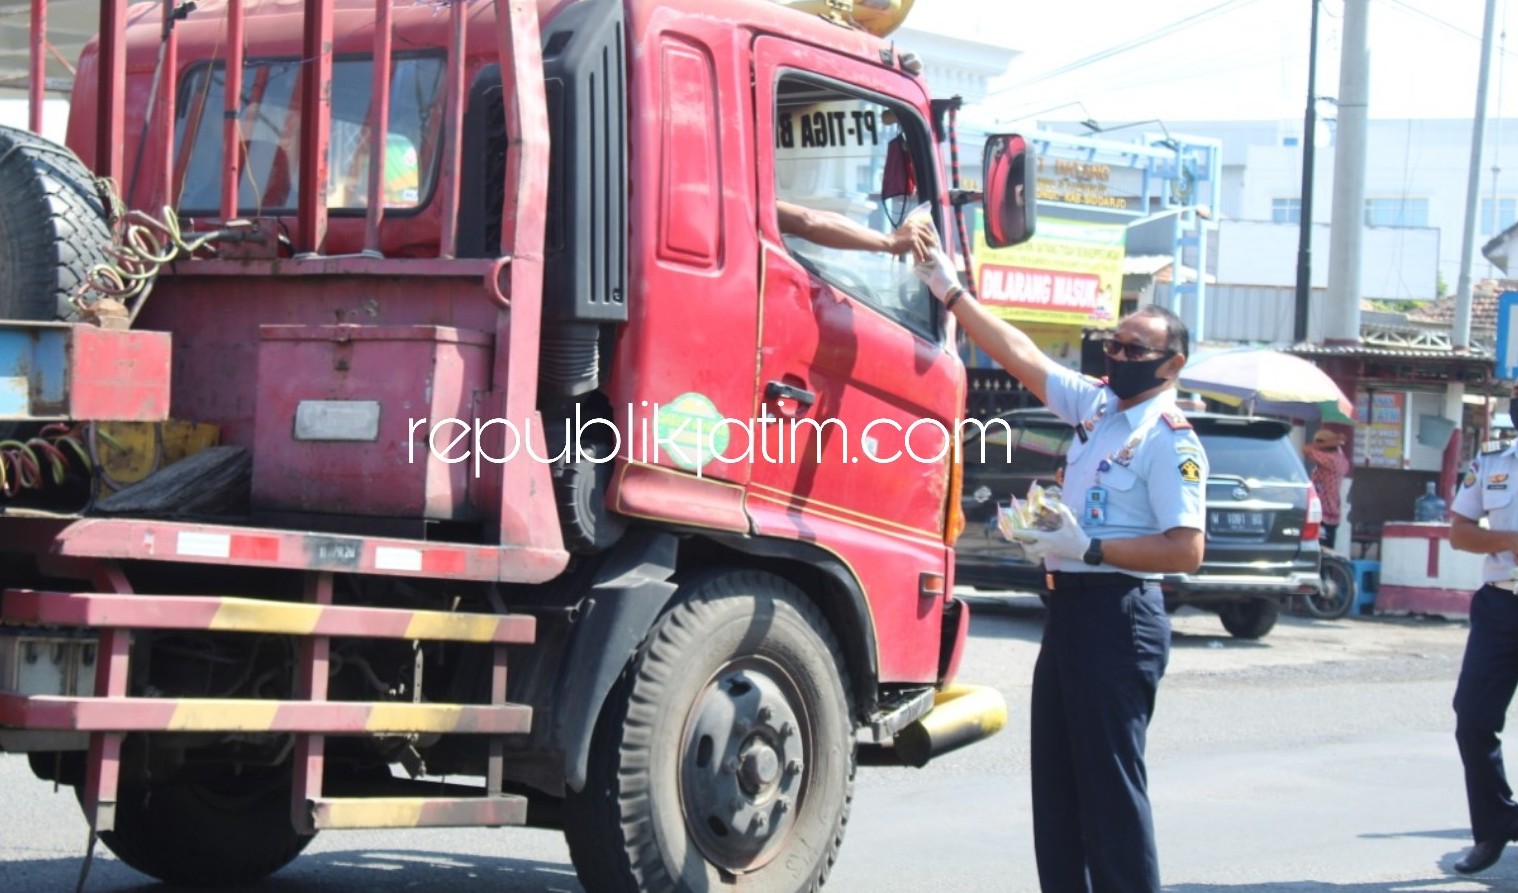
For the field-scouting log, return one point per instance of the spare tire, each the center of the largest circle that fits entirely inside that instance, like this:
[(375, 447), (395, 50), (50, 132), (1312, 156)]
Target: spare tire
[(54, 226)]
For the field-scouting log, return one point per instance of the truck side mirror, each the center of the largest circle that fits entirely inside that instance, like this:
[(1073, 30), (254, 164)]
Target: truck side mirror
[(1008, 173)]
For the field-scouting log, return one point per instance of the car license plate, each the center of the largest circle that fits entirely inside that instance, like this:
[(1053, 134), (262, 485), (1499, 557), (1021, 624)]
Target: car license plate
[(1238, 522)]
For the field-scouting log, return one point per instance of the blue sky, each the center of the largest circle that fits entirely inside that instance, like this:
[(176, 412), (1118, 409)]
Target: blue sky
[(1231, 58)]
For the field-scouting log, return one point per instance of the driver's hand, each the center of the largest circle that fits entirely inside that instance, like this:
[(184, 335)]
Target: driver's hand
[(915, 235), (937, 271)]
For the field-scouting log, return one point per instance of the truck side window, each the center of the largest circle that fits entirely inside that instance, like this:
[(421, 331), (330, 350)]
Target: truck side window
[(270, 119), (851, 155)]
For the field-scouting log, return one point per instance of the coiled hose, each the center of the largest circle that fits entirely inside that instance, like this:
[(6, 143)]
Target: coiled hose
[(29, 464), (140, 248)]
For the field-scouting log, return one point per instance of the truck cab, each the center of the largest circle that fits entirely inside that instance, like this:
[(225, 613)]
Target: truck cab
[(544, 453)]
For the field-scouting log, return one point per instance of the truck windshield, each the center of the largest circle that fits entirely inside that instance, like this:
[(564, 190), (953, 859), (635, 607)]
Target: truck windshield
[(271, 116)]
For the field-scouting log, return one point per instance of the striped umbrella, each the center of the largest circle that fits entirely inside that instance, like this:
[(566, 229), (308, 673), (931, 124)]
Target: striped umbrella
[(1269, 382)]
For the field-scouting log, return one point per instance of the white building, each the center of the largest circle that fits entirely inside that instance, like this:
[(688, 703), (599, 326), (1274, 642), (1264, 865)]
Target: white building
[(1415, 183)]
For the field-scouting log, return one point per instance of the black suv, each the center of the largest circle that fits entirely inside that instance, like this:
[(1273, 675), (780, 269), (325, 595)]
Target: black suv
[(1262, 550)]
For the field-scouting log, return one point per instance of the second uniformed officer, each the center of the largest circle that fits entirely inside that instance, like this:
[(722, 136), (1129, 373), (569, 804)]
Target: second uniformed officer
[(1134, 488), (1490, 669)]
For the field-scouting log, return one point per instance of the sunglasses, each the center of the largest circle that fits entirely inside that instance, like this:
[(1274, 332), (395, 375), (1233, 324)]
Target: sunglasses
[(1131, 350)]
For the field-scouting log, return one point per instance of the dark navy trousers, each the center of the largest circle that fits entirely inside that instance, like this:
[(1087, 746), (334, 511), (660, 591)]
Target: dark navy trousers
[(1105, 646), (1487, 679)]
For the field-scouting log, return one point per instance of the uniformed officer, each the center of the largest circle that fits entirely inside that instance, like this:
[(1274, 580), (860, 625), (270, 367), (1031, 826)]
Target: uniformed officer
[(1132, 510), (1490, 669)]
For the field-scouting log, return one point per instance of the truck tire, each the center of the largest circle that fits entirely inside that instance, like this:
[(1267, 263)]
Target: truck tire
[(727, 751), (1250, 618), (226, 831), (54, 226)]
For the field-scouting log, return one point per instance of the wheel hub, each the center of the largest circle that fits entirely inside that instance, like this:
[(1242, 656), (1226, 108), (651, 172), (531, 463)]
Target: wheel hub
[(760, 766), (743, 767)]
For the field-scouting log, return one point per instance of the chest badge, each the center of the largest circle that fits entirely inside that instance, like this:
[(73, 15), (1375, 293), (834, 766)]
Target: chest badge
[(1124, 456)]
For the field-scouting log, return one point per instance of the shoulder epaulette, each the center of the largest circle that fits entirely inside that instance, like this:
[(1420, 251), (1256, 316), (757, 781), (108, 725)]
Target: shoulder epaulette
[(1176, 421), (1493, 446)]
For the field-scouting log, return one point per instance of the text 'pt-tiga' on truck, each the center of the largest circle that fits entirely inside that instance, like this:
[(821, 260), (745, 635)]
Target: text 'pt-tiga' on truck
[(413, 415)]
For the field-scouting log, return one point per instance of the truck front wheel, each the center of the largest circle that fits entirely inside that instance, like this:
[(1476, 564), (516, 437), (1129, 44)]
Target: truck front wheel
[(726, 754)]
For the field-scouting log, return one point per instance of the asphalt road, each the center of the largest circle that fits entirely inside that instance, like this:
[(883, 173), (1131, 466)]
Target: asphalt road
[(1318, 759)]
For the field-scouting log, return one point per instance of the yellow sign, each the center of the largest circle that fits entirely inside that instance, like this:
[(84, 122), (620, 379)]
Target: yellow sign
[(1086, 183), (1070, 273)]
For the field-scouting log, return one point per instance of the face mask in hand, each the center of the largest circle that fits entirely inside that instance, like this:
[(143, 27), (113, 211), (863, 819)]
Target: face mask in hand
[(1134, 377)]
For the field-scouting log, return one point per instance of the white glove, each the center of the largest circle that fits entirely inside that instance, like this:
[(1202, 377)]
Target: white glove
[(938, 273), (1034, 550), (1069, 541)]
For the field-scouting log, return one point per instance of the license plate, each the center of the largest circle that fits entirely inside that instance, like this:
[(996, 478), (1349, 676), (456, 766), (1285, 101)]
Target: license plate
[(1238, 522)]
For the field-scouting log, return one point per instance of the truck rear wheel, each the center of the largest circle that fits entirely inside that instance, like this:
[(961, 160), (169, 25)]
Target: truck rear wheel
[(223, 830), (53, 226), (727, 752)]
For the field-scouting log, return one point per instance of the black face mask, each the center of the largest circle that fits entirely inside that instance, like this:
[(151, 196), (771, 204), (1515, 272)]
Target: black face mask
[(1134, 377)]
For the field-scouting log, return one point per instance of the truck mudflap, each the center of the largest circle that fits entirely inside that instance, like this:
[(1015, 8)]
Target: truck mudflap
[(35, 702)]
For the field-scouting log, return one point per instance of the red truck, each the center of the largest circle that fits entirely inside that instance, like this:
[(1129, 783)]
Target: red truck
[(555, 484)]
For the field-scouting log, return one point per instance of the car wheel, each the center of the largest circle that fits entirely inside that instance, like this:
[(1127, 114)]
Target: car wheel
[(1250, 619), (726, 755)]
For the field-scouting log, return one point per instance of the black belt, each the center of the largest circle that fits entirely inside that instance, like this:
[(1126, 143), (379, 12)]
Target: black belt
[(1066, 581)]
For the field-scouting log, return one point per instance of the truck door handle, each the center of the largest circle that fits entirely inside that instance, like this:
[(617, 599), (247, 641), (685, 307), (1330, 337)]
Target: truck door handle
[(779, 390)]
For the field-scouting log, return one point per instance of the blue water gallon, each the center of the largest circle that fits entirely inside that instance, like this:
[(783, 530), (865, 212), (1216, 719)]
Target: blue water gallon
[(1430, 506)]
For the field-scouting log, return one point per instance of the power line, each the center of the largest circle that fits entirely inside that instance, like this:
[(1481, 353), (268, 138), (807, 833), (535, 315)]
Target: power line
[(1133, 79), (1133, 44), (1196, 67), (1443, 23)]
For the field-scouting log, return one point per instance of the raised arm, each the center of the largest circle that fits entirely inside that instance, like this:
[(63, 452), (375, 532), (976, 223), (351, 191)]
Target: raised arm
[(1008, 345)]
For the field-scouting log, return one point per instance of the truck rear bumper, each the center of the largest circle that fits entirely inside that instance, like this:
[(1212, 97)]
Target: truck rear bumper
[(140, 539)]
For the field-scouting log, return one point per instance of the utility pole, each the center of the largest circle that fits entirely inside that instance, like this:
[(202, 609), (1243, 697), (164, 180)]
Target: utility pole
[(1460, 336), (1309, 141), (1343, 309)]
